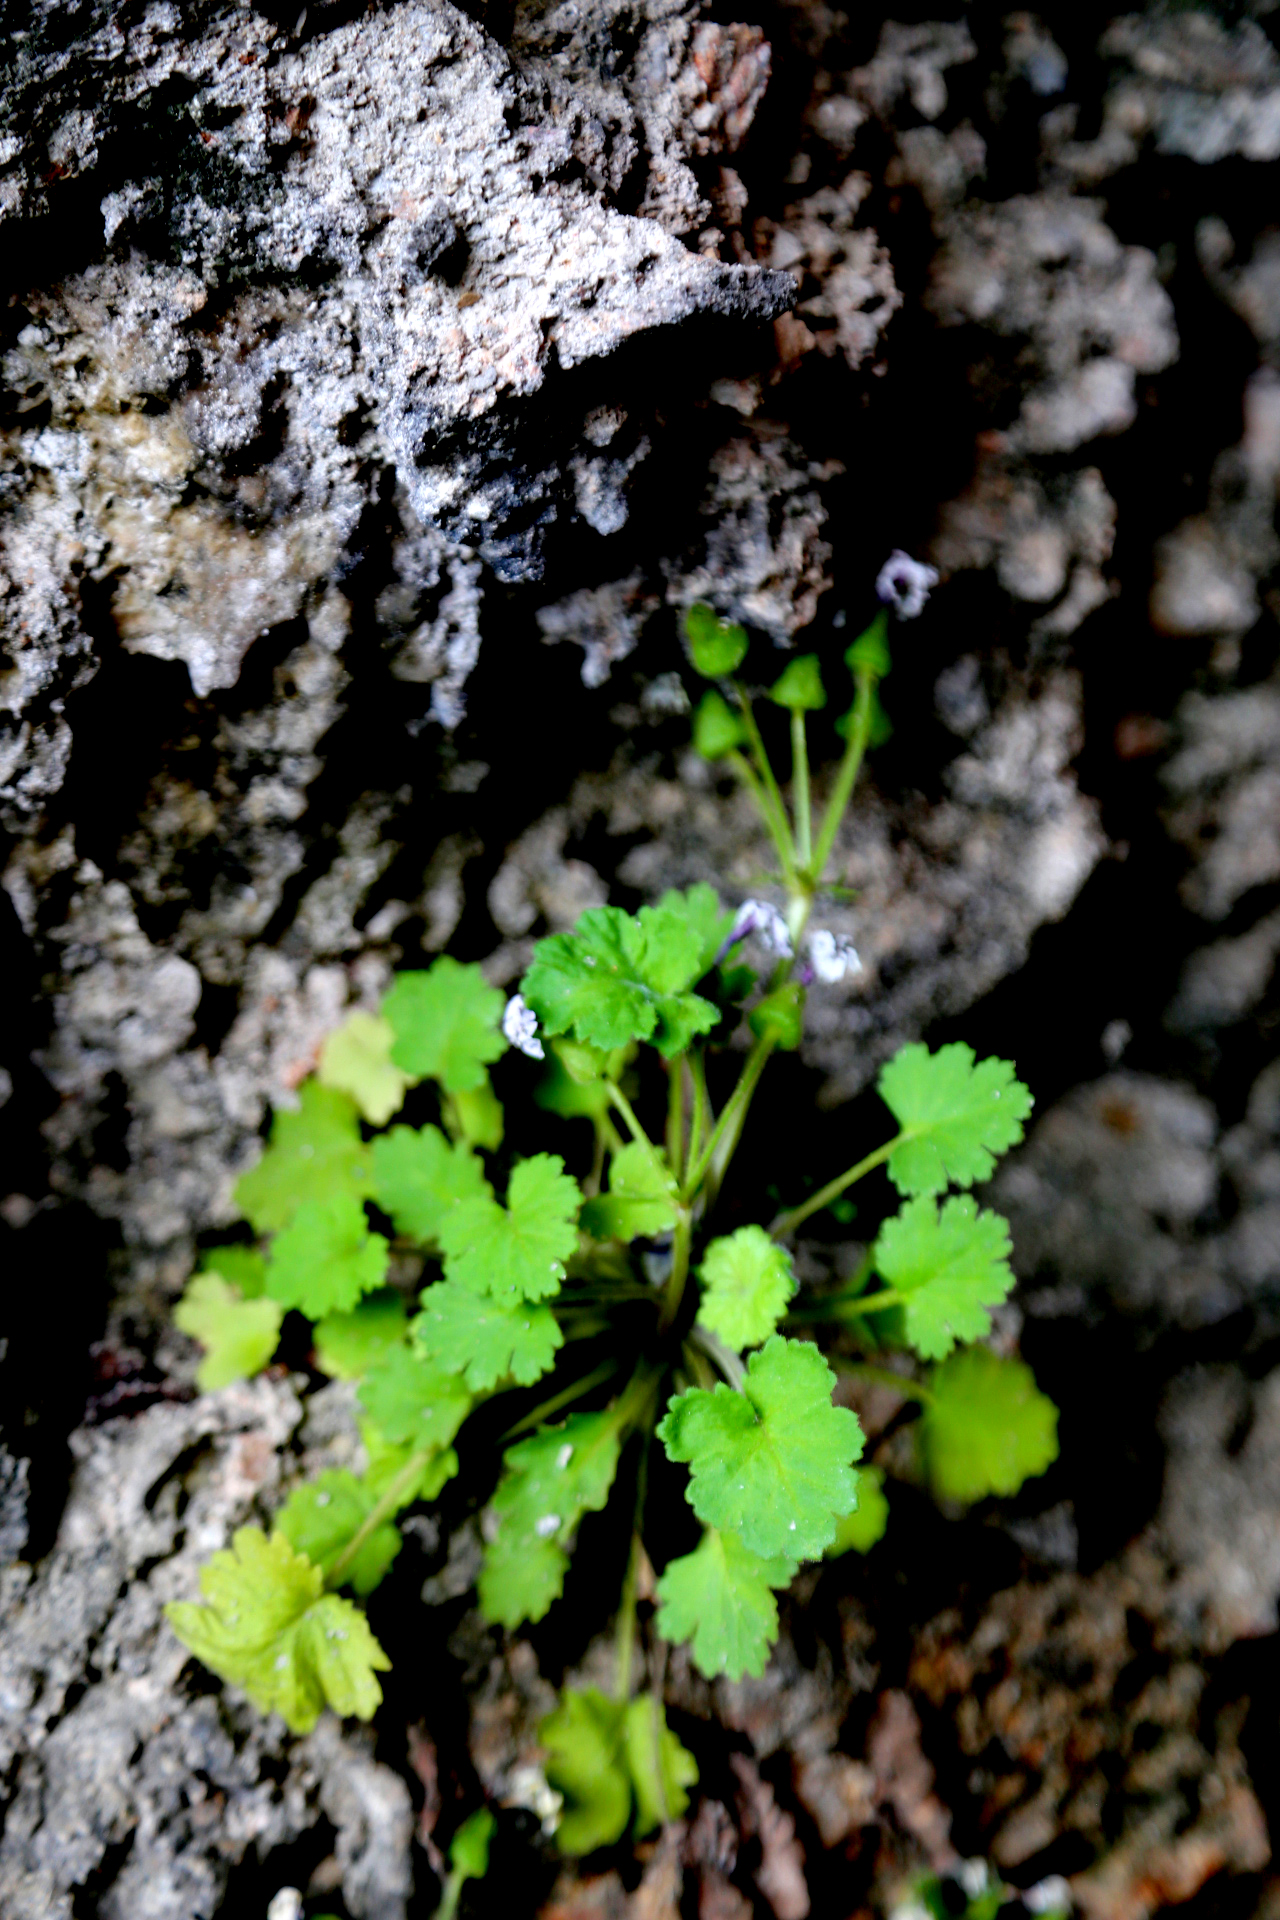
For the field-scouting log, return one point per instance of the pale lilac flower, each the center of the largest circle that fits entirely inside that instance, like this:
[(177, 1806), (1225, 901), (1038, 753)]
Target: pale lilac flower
[(757, 918), (1048, 1896), (832, 958), (520, 1024), (904, 584)]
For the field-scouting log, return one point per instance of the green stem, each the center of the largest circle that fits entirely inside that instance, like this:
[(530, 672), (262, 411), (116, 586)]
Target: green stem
[(397, 1492), (776, 815), (675, 1113), (800, 790), (591, 1185), (701, 1105), (724, 1357), (735, 1114), (737, 1102), (842, 792), (626, 1635), (751, 781), (853, 1290), (681, 1244), (639, 1135), (787, 1222), (563, 1399), (631, 1400), (885, 1377), (842, 1306), (698, 1365), (453, 1886)]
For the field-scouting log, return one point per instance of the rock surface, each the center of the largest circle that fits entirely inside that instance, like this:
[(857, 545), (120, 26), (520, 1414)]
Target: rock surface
[(373, 352), (121, 1779)]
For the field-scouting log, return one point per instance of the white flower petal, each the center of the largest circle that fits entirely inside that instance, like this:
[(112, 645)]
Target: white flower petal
[(831, 958), (904, 584), (520, 1024)]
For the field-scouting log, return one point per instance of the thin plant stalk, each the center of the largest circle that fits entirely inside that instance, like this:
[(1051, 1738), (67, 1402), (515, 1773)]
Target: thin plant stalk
[(785, 1223), (842, 792), (800, 792)]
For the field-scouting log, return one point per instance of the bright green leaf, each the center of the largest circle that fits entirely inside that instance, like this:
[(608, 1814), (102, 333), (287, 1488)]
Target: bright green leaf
[(621, 977), (484, 1339), (987, 1427), (520, 1579), (469, 1848), (560, 1091), (238, 1336), (243, 1268), (586, 1762), (477, 1115), (747, 1283), (348, 1344), (700, 909), (552, 1479), (389, 1461), (320, 1518), (718, 646), (780, 1013), (314, 1154), (775, 1461), (660, 1768), (419, 1177), (356, 1058), (800, 687), (956, 1116), (870, 651), (879, 725), (950, 1264), (447, 1023), (326, 1258), (639, 1202), (719, 1597), (414, 1402), (717, 729), (267, 1625), (517, 1251), (859, 1531)]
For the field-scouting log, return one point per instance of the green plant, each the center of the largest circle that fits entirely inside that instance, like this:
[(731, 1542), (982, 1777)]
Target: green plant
[(608, 1306)]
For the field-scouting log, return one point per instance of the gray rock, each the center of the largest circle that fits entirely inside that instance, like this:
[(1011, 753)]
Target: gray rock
[(947, 896), (1114, 1203), (210, 430), (114, 1770), (1048, 271), (846, 294), (1224, 788), (1224, 981), (1207, 570), (1219, 1520), (1048, 540), (13, 1506), (765, 555), (1104, 1201)]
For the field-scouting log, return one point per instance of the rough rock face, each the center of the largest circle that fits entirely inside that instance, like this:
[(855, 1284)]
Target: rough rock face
[(109, 1758), (947, 895), (362, 252), (370, 353)]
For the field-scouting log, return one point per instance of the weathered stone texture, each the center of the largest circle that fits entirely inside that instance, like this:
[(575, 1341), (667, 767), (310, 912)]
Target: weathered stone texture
[(100, 1739)]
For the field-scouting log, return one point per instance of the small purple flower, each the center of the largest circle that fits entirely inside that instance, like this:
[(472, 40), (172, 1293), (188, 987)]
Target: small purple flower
[(832, 958), (903, 584), (520, 1024), (756, 918)]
